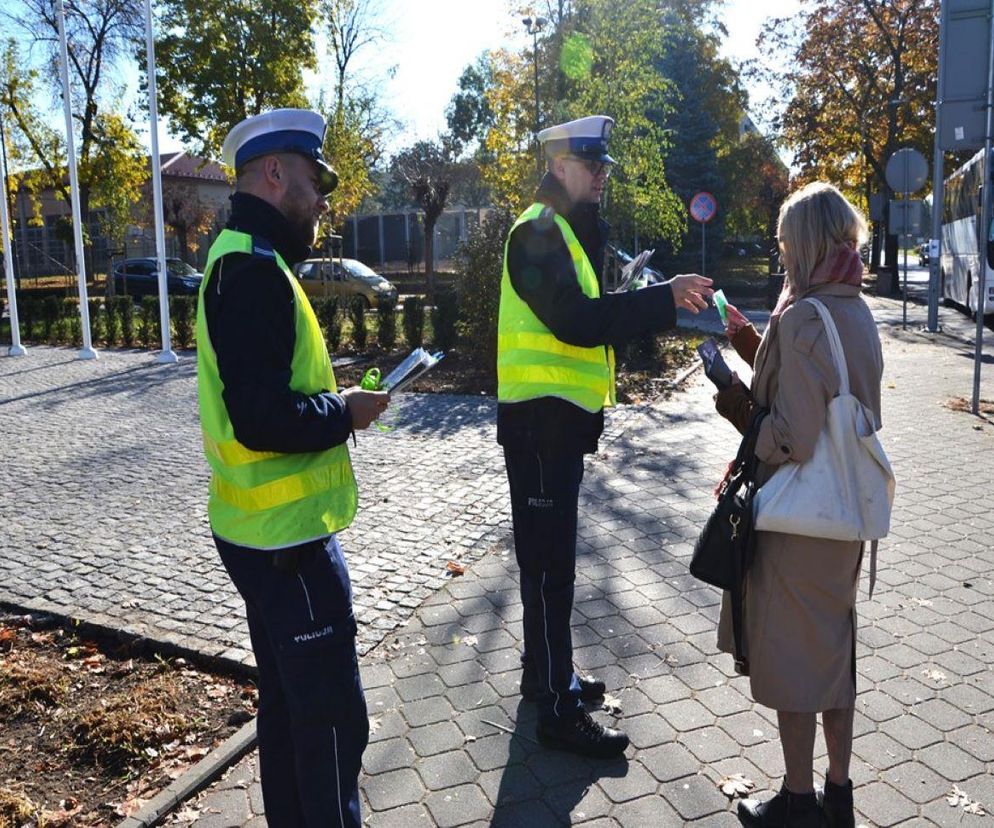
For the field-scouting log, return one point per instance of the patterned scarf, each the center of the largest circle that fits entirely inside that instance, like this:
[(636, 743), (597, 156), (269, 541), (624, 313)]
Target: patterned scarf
[(842, 265)]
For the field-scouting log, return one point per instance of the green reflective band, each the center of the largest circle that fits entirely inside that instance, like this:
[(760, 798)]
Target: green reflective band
[(283, 491)]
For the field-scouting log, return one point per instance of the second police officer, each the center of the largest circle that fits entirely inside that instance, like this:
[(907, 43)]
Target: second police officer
[(555, 374)]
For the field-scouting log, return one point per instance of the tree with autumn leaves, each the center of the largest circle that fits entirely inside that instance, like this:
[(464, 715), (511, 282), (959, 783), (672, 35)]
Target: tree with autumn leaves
[(676, 103), (859, 81)]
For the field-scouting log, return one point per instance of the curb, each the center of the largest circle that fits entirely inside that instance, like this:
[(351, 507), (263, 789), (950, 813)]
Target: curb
[(207, 770), (144, 644)]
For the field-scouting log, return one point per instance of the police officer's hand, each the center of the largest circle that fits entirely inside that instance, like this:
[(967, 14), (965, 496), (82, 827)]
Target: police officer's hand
[(690, 291), (364, 406)]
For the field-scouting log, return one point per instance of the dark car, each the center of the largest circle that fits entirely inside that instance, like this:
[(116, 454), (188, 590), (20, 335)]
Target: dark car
[(140, 277)]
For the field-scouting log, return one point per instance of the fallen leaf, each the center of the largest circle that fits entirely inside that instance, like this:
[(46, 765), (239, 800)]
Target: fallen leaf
[(188, 814), (959, 798), (611, 704), (935, 675), (455, 568), (470, 641), (374, 724), (672, 660), (129, 807), (735, 785)]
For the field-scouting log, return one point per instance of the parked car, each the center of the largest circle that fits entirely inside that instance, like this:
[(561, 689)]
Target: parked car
[(140, 277), (344, 278), (923, 254)]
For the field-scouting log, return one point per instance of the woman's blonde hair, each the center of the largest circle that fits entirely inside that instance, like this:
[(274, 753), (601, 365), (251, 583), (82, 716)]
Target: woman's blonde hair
[(814, 221)]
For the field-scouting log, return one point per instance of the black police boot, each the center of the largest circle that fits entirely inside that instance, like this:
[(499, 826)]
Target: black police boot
[(785, 810), (584, 736), (837, 805), (590, 688)]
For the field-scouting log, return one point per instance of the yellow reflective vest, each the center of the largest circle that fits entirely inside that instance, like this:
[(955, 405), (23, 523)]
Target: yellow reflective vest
[(266, 499), (531, 362)]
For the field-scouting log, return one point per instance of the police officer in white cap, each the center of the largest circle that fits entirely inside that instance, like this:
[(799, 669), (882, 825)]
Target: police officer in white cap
[(555, 374), (274, 430)]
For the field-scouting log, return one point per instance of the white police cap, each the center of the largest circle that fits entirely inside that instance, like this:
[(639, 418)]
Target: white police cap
[(585, 138), (299, 131)]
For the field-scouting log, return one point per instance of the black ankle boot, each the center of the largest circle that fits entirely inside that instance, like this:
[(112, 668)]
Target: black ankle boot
[(837, 805), (785, 810)]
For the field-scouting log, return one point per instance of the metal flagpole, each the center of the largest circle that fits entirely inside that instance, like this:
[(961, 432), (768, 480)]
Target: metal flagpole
[(167, 354), (985, 223), (15, 349), (87, 351)]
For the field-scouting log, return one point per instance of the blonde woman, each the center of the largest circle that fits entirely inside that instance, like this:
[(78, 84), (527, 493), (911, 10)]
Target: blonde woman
[(799, 616)]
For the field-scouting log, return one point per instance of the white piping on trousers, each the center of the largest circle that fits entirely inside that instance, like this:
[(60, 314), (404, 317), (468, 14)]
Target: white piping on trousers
[(307, 595), (338, 779), (541, 475), (548, 649)]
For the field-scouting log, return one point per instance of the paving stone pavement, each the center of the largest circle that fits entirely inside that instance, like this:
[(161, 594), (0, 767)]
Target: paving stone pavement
[(103, 505), (452, 743)]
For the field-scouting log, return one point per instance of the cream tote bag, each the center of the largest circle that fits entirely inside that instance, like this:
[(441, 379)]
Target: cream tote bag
[(845, 490)]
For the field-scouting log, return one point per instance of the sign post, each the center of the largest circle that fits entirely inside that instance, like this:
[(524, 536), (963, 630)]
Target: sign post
[(906, 172), (703, 207)]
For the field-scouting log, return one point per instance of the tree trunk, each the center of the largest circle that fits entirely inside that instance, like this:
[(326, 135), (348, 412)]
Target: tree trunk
[(182, 236), (430, 260)]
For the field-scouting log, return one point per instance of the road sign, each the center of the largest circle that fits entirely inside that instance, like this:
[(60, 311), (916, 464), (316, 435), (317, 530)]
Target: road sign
[(963, 54), (703, 206), (906, 171), (905, 217)]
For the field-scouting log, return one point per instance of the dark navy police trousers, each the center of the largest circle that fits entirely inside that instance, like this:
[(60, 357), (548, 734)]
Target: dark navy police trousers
[(312, 720), (545, 488)]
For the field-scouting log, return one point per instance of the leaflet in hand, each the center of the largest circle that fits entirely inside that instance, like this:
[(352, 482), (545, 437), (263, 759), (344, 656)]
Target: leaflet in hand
[(715, 367), (414, 365), (632, 272)]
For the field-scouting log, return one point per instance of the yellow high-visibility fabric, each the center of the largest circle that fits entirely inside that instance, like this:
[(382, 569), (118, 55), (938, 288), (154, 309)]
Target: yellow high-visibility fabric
[(267, 499), (531, 361)]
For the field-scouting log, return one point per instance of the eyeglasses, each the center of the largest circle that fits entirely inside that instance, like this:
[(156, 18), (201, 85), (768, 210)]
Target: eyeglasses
[(595, 168)]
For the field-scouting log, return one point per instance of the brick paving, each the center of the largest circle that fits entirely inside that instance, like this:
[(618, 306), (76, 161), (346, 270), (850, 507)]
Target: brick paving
[(103, 506), (452, 742)]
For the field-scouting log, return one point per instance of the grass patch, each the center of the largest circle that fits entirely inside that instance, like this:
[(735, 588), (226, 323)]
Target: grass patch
[(131, 725), (30, 684)]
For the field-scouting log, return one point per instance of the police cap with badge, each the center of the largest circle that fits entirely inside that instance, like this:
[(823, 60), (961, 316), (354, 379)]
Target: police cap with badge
[(584, 138), (299, 131)]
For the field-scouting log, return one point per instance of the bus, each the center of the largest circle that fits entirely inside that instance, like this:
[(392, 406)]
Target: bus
[(960, 261)]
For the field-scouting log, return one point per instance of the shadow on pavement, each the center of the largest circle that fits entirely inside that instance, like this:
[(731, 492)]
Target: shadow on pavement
[(543, 787), (137, 380)]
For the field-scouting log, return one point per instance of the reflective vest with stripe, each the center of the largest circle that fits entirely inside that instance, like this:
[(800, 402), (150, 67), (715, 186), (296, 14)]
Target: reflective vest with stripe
[(531, 362), (266, 499)]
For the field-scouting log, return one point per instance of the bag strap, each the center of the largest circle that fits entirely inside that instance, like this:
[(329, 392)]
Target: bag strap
[(746, 457), (838, 354)]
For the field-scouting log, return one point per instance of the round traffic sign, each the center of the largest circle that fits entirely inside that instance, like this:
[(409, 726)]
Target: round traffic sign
[(906, 171), (703, 206)]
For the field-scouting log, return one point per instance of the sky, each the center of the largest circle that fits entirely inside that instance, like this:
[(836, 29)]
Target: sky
[(427, 45)]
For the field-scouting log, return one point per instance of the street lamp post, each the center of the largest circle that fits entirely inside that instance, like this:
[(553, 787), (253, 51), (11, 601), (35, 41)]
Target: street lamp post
[(533, 27)]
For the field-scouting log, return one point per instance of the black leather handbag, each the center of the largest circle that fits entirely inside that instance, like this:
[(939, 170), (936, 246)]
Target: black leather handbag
[(724, 549)]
